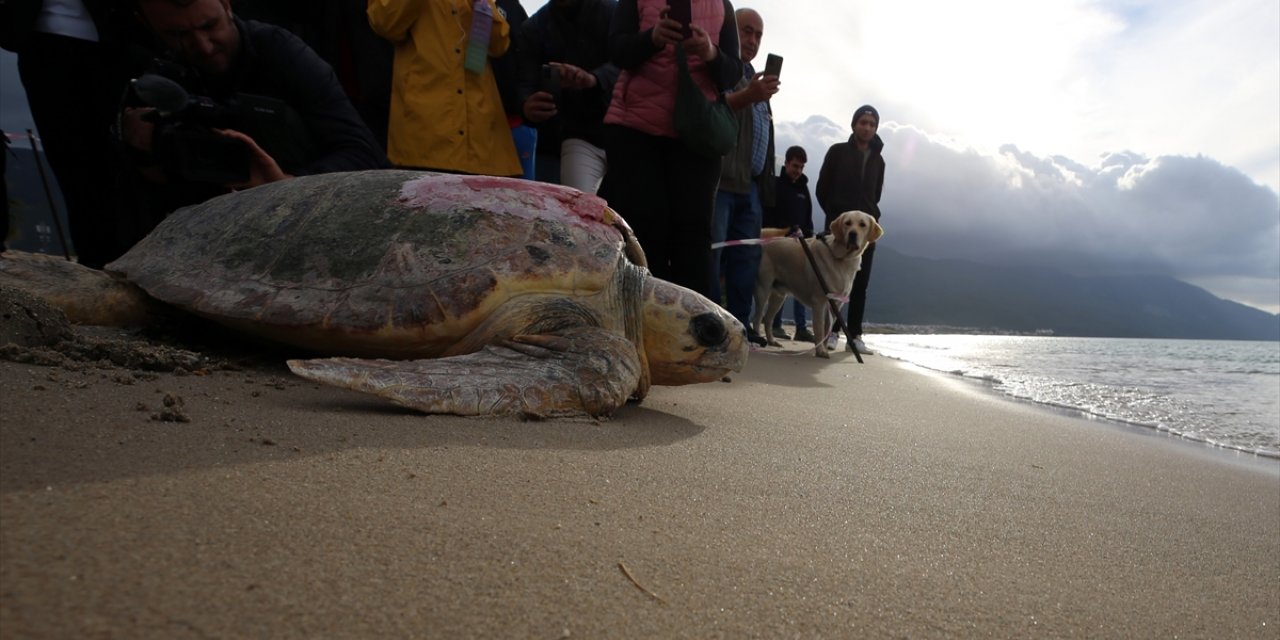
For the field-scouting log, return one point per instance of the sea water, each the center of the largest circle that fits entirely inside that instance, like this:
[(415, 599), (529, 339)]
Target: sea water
[(1222, 393)]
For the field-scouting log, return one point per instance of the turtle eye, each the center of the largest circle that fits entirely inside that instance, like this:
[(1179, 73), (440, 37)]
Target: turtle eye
[(708, 329)]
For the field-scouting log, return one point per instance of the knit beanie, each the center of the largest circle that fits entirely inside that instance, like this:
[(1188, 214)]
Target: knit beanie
[(863, 110)]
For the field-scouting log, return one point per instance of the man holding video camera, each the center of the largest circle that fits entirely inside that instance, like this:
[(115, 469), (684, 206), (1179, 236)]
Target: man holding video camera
[(232, 104)]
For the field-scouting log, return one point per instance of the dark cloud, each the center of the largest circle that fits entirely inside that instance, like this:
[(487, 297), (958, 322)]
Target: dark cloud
[(1188, 217)]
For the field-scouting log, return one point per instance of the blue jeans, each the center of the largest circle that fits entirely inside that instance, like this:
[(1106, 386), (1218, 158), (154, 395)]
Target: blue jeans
[(737, 216)]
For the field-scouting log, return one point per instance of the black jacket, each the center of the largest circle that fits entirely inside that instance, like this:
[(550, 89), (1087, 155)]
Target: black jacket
[(792, 207), (735, 169), (629, 47), (323, 134), (327, 136), (275, 63), (845, 185), (18, 21), (581, 38)]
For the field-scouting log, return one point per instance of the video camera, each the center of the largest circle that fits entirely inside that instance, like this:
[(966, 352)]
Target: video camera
[(186, 144)]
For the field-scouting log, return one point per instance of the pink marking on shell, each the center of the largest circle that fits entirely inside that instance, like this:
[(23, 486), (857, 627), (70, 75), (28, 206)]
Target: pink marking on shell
[(510, 196)]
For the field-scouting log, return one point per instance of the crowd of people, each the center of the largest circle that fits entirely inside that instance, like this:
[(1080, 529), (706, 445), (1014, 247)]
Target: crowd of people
[(145, 106)]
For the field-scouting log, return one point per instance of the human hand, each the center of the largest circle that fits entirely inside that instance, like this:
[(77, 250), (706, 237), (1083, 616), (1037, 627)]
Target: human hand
[(539, 107), (262, 167), (135, 128), (699, 44), (762, 87), (575, 77), (667, 31)]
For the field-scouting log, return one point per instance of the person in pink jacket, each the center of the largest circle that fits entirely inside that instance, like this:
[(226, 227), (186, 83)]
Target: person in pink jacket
[(665, 191)]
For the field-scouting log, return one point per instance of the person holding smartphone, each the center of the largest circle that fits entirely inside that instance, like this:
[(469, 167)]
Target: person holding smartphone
[(665, 190), (566, 82), (747, 180)]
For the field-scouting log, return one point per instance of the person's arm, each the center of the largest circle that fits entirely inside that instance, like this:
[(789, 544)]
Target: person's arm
[(606, 76), (806, 213), (262, 167), (392, 19), (726, 67), (759, 89), (629, 47), (536, 106), (879, 181), (823, 189), (292, 72), (607, 73)]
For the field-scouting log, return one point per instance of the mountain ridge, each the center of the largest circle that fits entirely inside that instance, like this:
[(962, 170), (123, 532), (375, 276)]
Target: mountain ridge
[(912, 290)]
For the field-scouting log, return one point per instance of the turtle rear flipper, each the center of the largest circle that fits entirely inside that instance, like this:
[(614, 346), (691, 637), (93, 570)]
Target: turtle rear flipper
[(568, 372)]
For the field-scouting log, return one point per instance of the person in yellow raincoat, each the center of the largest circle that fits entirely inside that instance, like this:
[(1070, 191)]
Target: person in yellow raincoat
[(446, 113)]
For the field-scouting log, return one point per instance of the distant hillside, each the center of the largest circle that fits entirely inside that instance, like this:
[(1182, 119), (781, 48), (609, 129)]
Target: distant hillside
[(910, 290)]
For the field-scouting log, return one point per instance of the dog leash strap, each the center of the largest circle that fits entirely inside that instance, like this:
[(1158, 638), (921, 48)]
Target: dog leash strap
[(744, 241), (831, 298)]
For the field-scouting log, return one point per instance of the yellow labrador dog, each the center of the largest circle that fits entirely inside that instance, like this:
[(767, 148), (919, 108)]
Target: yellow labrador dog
[(785, 269)]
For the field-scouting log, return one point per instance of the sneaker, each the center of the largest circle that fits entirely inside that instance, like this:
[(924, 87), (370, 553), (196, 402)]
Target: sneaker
[(803, 335), (756, 339), (833, 341), (862, 348), (779, 332)]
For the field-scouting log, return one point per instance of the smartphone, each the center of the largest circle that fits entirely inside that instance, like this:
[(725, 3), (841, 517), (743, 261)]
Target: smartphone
[(773, 65), (681, 12), (551, 81)]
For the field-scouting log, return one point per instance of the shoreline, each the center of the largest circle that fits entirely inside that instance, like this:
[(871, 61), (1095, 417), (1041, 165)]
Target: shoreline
[(804, 498), (1266, 460), (1188, 424)]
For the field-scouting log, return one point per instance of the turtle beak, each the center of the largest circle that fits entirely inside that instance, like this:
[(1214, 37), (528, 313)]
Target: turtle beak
[(688, 338)]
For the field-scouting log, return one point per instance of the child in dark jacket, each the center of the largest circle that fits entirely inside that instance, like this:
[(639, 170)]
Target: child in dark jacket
[(793, 208)]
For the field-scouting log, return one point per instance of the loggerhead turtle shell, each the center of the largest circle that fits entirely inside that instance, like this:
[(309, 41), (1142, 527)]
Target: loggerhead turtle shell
[(398, 264)]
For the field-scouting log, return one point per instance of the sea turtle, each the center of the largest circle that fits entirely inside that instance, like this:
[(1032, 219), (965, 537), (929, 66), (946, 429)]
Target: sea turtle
[(448, 294)]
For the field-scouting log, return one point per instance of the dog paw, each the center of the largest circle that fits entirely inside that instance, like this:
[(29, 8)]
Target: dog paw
[(822, 353)]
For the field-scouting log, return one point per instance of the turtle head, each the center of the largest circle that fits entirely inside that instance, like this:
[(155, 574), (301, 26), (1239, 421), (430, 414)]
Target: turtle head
[(688, 338)]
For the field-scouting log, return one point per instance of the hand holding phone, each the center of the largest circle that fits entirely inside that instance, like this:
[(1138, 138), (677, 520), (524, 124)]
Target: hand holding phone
[(551, 81), (680, 11), (773, 65)]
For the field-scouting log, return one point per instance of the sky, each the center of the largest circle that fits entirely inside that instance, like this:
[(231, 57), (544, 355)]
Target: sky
[(1129, 136), (1101, 137)]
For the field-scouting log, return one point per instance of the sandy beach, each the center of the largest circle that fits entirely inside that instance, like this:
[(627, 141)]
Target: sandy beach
[(806, 498)]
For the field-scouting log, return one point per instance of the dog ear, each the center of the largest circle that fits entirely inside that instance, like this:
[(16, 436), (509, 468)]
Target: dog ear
[(876, 231), (833, 228)]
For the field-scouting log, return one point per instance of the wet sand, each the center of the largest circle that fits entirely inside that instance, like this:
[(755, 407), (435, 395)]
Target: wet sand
[(806, 498)]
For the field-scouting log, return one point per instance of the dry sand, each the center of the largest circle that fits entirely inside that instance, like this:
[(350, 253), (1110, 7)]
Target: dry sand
[(806, 498)]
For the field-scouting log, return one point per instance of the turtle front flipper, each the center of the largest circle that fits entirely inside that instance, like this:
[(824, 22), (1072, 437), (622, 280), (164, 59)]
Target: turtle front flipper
[(575, 371)]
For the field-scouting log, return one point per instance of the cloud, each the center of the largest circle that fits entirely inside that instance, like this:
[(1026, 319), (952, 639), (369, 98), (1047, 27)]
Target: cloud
[(1189, 217), (1076, 77)]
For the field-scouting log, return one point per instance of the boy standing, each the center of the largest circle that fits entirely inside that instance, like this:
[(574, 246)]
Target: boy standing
[(851, 179), (792, 208)]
